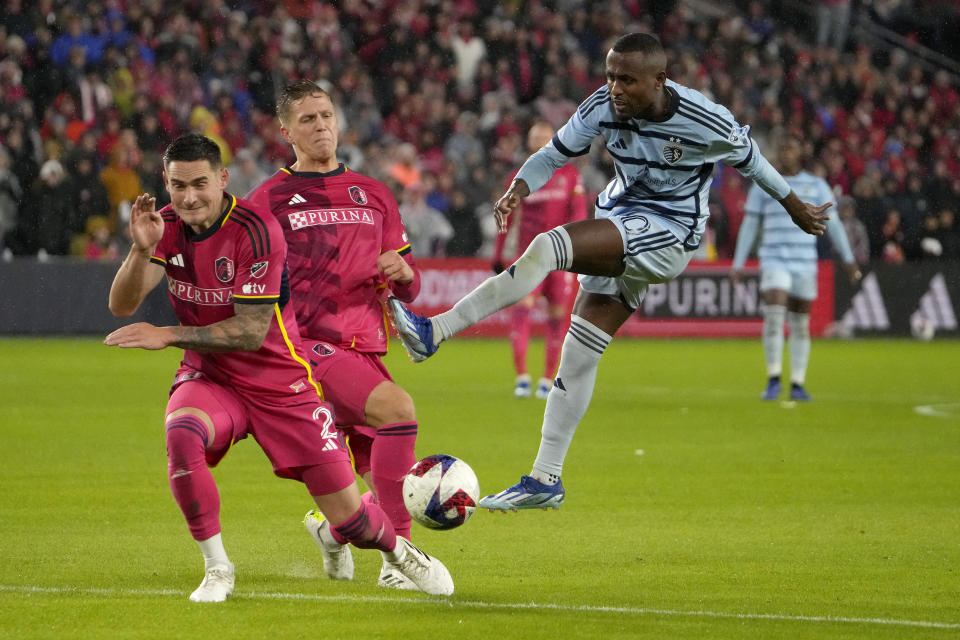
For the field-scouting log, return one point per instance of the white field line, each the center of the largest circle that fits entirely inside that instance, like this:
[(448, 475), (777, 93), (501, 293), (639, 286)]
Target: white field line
[(944, 410), (473, 604)]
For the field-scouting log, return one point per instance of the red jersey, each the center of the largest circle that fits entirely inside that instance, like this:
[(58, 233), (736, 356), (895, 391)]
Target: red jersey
[(337, 224), (238, 260), (558, 202)]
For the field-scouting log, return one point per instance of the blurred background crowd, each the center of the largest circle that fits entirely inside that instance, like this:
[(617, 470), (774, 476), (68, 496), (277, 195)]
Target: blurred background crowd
[(435, 97)]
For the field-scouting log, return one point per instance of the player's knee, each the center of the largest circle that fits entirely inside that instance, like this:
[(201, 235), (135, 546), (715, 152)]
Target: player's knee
[(389, 404), (186, 441)]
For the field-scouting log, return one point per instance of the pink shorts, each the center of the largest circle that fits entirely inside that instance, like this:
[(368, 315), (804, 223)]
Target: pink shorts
[(294, 431), (347, 378), (557, 288)]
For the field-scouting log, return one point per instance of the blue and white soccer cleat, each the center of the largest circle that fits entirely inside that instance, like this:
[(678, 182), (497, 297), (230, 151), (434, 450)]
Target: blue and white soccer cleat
[(529, 493), (416, 331), (798, 393), (543, 388), (772, 392), (521, 388)]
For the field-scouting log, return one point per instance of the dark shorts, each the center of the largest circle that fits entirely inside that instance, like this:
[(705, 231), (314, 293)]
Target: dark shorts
[(294, 431)]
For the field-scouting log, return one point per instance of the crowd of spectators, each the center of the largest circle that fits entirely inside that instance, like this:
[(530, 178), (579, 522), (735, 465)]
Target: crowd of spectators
[(434, 98)]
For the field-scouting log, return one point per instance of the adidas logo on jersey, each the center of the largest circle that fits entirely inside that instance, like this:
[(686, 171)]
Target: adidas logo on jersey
[(296, 199), (867, 310), (936, 306), (177, 260), (330, 446), (619, 144)]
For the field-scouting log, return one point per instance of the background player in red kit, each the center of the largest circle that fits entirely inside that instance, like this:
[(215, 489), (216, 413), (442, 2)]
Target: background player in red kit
[(348, 250), (558, 202), (242, 372)]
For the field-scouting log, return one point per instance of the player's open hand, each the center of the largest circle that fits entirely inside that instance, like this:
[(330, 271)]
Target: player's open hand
[(146, 225), (394, 268), (812, 219), (140, 335), (508, 202)]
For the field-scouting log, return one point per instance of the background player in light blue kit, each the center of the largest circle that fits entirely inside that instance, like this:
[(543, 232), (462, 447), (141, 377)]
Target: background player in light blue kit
[(664, 139), (788, 268)]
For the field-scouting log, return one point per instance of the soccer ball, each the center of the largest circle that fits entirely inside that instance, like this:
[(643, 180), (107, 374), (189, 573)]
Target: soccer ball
[(441, 492)]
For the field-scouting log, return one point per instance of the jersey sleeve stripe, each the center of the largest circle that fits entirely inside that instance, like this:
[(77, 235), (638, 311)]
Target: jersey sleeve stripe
[(404, 250), (715, 118), (256, 299), (256, 229), (702, 122), (741, 165), (562, 148), (158, 260)]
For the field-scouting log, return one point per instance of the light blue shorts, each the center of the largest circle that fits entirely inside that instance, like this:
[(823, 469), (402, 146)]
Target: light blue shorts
[(802, 286), (652, 255)]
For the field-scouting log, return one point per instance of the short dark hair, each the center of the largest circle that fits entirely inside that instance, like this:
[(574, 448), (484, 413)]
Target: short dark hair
[(192, 147), (644, 43), (294, 92)]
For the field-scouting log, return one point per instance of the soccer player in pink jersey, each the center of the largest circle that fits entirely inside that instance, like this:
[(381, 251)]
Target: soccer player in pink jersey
[(348, 250), (243, 372), (558, 202)]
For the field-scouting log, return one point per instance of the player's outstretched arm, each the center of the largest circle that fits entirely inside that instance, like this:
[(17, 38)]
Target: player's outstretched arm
[(808, 217), (509, 201), (244, 331), (137, 276)]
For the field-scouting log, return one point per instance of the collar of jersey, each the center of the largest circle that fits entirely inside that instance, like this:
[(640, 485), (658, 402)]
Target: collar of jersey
[(672, 107), (318, 174), (231, 202)]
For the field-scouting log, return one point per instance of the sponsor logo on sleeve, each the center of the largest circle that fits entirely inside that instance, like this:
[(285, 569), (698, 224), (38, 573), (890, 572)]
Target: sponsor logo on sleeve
[(252, 289), (224, 269), (259, 268)]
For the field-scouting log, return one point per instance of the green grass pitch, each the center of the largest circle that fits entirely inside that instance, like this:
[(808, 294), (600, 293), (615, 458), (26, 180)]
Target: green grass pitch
[(694, 510)]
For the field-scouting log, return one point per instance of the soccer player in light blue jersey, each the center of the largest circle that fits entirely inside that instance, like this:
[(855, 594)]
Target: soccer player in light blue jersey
[(664, 139), (788, 268)]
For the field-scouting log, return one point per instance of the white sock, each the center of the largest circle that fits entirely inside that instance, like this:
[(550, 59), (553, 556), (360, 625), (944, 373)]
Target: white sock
[(543, 477), (799, 324), (397, 555), (213, 551), (571, 393), (550, 251), (773, 315)]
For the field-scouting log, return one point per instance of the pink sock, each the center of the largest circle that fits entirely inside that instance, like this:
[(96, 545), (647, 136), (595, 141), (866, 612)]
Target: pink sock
[(390, 459), (556, 330), (368, 528), (190, 480), (520, 336)]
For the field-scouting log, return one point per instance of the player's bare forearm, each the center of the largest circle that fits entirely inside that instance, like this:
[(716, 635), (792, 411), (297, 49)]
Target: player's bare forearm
[(244, 331), (136, 277)]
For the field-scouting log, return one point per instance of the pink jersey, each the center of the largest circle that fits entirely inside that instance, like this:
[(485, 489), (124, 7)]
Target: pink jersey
[(558, 202), (238, 260), (337, 224)]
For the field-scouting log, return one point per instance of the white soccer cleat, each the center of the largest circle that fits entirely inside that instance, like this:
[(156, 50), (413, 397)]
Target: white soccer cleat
[(521, 388), (337, 559), (217, 584), (392, 578), (426, 572)]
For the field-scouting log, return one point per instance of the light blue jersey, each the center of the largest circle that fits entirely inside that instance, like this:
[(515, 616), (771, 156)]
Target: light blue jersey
[(663, 168), (783, 245)]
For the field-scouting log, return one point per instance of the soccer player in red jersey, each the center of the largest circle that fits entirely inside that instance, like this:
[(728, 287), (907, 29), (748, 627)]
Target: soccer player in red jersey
[(243, 372), (348, 250), (558, 202)]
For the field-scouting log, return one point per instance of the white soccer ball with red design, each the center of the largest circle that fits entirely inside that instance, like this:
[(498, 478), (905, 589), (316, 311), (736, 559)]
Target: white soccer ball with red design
[(441, 492)]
